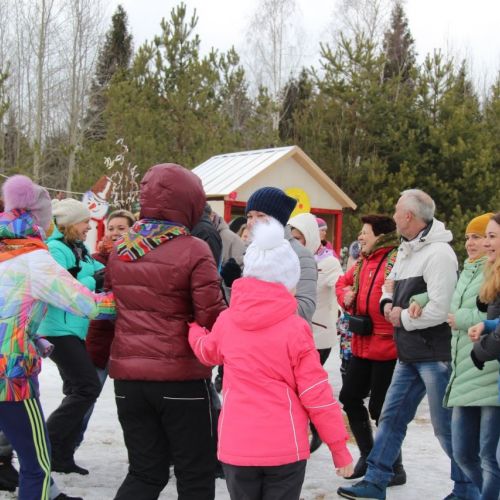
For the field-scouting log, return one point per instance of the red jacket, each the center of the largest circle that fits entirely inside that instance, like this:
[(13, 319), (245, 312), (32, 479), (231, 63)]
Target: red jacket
[(380, 345), (157, 294), (101, 332), (273, 380)]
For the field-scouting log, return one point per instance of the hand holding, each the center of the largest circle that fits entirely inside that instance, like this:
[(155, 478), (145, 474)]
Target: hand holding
[(345, 471), (395, 316), (348, 296), (387, 311), (475, 332), (414, 310), (452, 322)]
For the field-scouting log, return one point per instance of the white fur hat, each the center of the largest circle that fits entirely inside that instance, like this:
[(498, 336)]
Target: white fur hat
[(69, 211), (270, 257)]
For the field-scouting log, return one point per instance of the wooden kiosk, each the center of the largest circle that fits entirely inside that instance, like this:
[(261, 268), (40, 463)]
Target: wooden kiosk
[(230, 179)]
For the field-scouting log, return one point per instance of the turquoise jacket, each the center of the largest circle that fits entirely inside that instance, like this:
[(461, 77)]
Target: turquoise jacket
[(469, 386), (58, 322)]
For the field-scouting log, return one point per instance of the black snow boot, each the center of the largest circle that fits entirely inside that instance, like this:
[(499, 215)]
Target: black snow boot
[(399, 477), (63, 496), (68, 467), (363, 434), (9, 477)]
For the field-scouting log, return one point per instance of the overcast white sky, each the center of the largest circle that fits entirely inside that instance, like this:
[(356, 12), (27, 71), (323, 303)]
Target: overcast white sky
[(463, 28)]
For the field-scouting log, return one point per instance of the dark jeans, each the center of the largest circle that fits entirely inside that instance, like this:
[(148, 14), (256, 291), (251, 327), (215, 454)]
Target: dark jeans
[(81, 387), (365, 377), (280, 482), (167, 422)]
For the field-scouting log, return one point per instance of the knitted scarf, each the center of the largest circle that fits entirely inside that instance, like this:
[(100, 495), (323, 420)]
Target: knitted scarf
[(145, 235)]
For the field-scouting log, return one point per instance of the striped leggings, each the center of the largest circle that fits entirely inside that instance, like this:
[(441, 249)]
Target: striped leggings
[(24, 425)]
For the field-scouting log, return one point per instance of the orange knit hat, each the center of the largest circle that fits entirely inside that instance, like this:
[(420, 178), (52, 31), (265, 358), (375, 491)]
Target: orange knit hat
[(478, 224)]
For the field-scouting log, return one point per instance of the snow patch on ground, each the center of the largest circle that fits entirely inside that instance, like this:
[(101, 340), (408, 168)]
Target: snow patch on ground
[(105, 455)]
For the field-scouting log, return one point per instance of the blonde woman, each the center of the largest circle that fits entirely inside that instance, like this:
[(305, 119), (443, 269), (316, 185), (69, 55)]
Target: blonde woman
[(67, 332)]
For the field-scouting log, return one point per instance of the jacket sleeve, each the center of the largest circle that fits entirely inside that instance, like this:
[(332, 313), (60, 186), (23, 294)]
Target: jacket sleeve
[(205, 286), (465, 317), (52, 284), (205, 345), (421, 299), (440, 274), (306, 287), (237, 250), (316, 395), (488, 346), (329, 271), (344, 280)]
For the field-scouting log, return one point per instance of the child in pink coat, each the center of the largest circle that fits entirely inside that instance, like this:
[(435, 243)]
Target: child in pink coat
[(273, 380)]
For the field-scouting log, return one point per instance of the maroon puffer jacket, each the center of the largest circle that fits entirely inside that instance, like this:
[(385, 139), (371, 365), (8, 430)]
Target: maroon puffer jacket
[(379, 346), (160, 292)]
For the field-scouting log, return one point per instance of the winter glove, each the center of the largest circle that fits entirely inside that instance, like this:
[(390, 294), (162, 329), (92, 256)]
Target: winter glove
[(99, 280), (477, 362), (74, 271), (230, 271)]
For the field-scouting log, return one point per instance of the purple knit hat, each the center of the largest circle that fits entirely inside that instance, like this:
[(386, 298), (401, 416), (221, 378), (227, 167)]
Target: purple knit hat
[(21, 192)]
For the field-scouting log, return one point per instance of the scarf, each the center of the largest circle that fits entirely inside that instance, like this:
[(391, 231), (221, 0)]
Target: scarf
[(145, 235), (10, 248), (385, 241)]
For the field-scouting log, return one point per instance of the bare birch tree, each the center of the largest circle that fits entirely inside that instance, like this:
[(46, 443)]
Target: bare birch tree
[(81, 39), (43, 19), (275, 43), (361, 18)]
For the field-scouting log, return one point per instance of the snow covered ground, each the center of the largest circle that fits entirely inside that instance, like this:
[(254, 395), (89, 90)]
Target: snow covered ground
[(104, 454)]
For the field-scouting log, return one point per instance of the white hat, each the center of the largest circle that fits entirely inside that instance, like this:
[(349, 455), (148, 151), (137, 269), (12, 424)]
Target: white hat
[(69, 211), (270, 257)]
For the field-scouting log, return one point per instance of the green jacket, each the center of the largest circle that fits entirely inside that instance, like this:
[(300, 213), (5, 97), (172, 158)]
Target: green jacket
[(57, 322), (468, 386)]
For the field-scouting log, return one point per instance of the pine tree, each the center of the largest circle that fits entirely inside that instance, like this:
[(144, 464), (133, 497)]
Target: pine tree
[(295, 95), (114, 57), (399, 46)]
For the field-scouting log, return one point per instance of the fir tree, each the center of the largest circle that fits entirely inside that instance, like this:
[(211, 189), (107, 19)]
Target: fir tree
[(399, 46), (114, 57)]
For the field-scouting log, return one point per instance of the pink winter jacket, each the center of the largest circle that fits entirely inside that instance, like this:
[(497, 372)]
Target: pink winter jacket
[(273, 380)]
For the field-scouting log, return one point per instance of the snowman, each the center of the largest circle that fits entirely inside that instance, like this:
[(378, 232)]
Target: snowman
[(96, 200)]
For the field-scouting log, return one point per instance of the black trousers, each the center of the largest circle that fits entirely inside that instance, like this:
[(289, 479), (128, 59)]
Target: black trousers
[(81, 387), (166, 422), (280, 482), (365, 377)]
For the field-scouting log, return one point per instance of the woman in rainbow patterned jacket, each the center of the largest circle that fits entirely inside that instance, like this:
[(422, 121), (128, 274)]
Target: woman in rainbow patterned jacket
[(30, 279)]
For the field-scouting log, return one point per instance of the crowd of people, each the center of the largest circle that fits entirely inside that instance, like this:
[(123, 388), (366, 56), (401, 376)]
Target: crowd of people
[(176, 291)]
